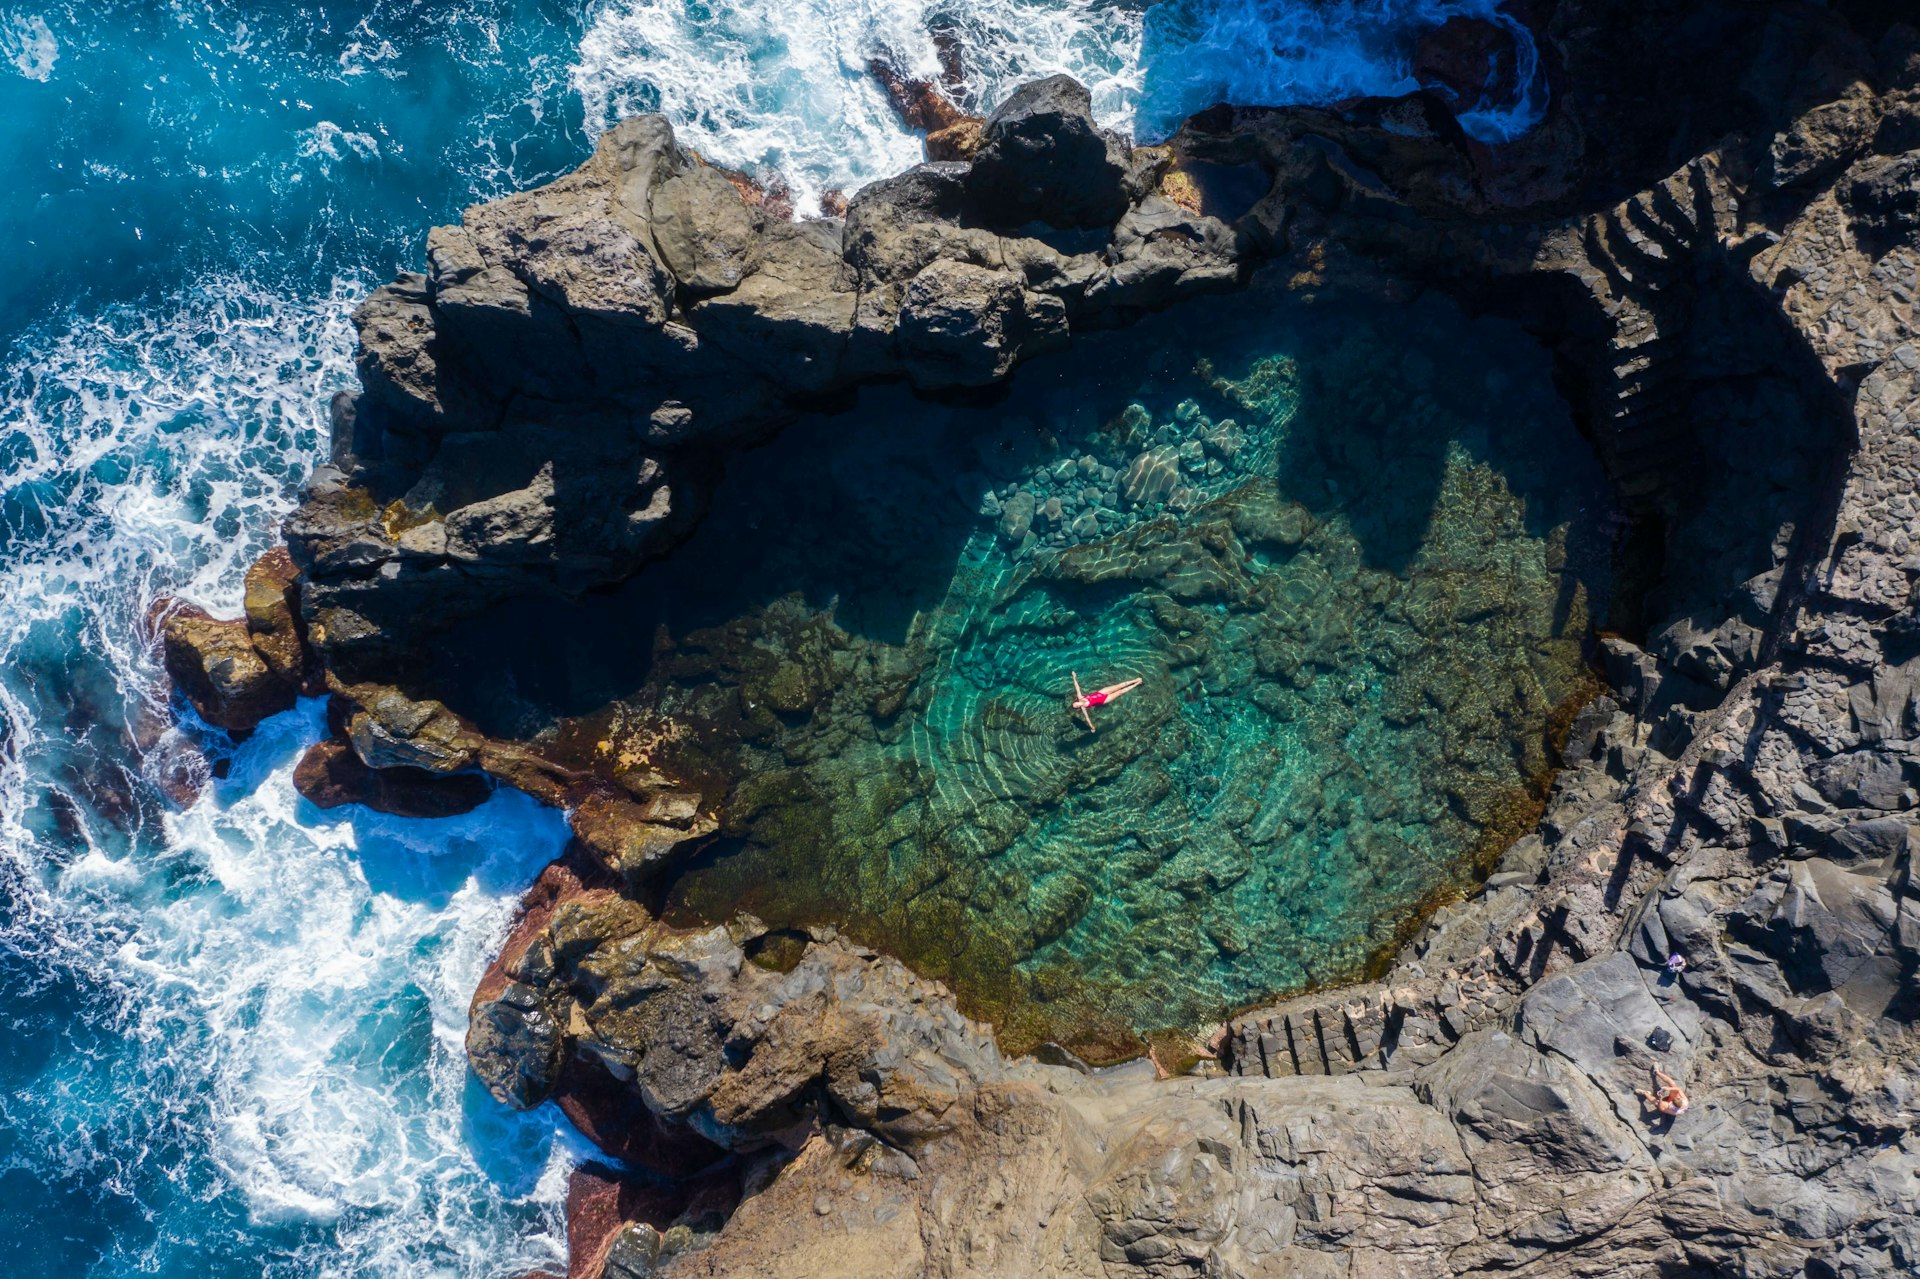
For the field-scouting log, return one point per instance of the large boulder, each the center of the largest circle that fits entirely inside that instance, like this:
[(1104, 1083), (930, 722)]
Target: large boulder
[(952, 134), (399, 363), (514, 1042), (704, 230), (791, 316), (273, 615), (1835, 928), (1041, 158), (639, 838), (388, 729), (214, 662), (330, 774)]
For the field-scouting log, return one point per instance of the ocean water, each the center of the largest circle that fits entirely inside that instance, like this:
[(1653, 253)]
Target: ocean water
[(230, 1043)]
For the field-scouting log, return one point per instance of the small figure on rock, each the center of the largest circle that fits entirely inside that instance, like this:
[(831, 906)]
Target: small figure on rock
[(1668, 1097), (1676, 963), (1084, 702)]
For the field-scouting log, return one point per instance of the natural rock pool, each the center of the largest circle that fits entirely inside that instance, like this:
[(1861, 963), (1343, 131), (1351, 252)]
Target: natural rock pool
[(1352, 548)]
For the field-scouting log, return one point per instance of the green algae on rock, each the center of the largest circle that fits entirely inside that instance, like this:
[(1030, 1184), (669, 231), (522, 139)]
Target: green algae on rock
[(1352, 550)]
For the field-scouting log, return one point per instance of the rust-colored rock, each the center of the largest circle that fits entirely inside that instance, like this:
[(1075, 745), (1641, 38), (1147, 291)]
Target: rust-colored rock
[(952, 134), (215, 664), (603, 1205), (613, 1117), (638, 838), (957, 141), (273, 618)]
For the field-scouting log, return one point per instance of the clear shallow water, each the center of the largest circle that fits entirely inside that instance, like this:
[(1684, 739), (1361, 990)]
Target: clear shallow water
[(1353, 549), (231, 1034)]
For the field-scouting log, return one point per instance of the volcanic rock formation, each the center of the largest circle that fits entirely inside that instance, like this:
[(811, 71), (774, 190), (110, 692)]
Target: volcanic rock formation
[(1727, 271)]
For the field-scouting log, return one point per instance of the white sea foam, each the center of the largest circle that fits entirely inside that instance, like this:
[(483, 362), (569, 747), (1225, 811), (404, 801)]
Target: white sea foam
[(332, 958), (293, 984), (28, 43), (327, 139), (784, 88)]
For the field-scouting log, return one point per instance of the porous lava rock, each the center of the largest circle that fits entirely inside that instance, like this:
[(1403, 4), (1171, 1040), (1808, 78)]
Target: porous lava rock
[(1729, 288)]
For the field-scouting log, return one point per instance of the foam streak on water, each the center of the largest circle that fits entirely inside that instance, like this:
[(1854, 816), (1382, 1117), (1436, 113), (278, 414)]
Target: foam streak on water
[(232, 1036), (247, 1017)]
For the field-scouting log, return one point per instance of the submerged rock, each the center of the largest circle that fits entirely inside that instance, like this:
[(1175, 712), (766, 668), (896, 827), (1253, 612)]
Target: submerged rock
[(1151, 476)]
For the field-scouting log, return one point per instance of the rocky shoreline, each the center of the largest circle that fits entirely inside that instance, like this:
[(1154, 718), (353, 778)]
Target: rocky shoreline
[(1726, 272)]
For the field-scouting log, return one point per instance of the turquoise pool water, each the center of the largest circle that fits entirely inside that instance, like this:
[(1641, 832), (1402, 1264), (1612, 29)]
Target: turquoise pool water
[(1352, 549)]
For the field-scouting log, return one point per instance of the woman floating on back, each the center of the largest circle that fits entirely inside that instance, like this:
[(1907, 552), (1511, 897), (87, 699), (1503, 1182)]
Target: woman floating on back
[(1084, 702)]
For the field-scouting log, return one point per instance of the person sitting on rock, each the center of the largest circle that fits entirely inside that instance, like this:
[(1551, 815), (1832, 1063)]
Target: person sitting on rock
[(1670, 1099), (1083, 702)]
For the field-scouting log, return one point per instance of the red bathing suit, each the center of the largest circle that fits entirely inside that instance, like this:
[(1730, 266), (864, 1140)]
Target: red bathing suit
[(1096, 699)]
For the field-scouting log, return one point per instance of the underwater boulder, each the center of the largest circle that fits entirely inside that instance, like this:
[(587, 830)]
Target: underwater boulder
[(1151, 477), (1016, 516)]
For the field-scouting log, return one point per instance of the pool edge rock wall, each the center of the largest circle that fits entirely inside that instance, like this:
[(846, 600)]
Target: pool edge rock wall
[(1743, 798)]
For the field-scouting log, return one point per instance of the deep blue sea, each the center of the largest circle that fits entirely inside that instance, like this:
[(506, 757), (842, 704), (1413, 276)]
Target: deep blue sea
[(230, 1034)]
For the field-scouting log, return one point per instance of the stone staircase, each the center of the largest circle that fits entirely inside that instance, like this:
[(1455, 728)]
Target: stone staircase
[(1405, 1022), (1638, 260)]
